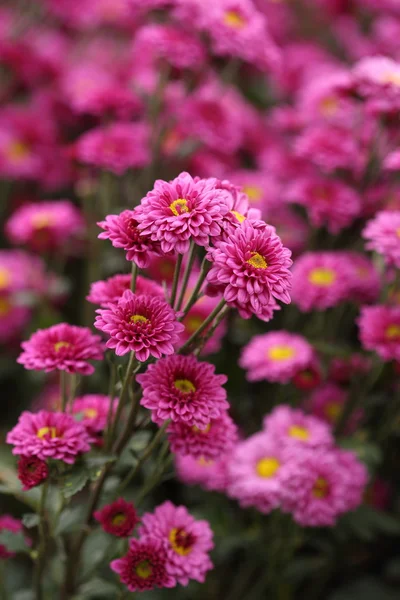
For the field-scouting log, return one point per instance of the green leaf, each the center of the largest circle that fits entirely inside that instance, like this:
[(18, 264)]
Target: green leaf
[(13, 542), (99, 461), (30, 520), (99, 588), (75, 481), (140, 441), (70, 520)]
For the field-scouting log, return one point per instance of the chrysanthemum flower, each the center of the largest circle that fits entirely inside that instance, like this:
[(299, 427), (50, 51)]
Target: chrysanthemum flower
[(122, 231), (291, 427), (383, 235), (63, 347), (275, 356), (145, 325), (212, 475), (341, 370), (187, 540), (256, 469), (118, 518), (366, 281), (8, 523), (144, 566), (183, 389), (184, 209), (322, 485), (217, 439), (379, 330), (49, 435), (111, 289), (320, 280), (32, 471), (328, 401), (92, 411), (252, 270), (45, 225)]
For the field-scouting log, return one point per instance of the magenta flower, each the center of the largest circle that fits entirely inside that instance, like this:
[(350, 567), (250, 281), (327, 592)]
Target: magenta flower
[(366, 281), (252, 269), (289, 426), (8, 523), (188, 541), (122, 231), (144, 565), (216, 440), (380, 330), (184, 209), (118, 518), (183, 389), (49, 435), (210, 474), (92, 411), (383, 235), (111, 289), (63, 347), (145, 325), (32, 471), (327, 402), (276, 356)]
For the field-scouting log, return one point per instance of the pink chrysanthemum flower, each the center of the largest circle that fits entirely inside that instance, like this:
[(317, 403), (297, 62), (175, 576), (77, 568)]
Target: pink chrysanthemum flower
[(92, 411), (341, 370), (212, 475), (122, 231), (275, 356), (49, 435), (256, 469), (322, 485), (177, 212), (252, 270), (239, 209), (118, 518), (379, 330), (144, 566), (145, 325), (183, 389), (291, 426), (366, 282), (21, 272), (321, 280), (308, 378), (48, 225), (111, 289), (8, 523), (63, 347), (187, 541), (32, 471), (217, 439), (327, 402), (116, 147), (383, 235)]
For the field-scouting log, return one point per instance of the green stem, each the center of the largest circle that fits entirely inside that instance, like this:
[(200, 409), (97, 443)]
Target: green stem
[(42, 543), (176, 279), (63, 390), (195, 293), (124, 389), (134, 274), (3, 588), (212, 329), (111, 395), (202, 327), (186, 275)]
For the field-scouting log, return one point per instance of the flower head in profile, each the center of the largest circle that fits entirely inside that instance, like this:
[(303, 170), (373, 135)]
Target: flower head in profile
[(8, 523), (144, 565), (145, 325), (110, 290), (188, 541), (118, 518), (379, 330), (292, 427), (92, 411), (383, 235), (49, 435), (63, 347), (122, 231), (183, 389), (276, 356), (252, 270), (180, 211), (32, 471)]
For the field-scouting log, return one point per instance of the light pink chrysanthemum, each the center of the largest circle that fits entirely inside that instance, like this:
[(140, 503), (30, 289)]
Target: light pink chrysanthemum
[(111, 289), (291, 426), (49, 435), (321, 280), (187, 540), (184, 209), (379, 330), (322, 485), (8, 523), (217, 439), (183, 389), (45, 225), (252, 270), (144, 566), (212, 475), (122, 231), (92, 411), (63, 347), (383, 235), (118, 518), (275, 356), (116, 147), (145, 325)]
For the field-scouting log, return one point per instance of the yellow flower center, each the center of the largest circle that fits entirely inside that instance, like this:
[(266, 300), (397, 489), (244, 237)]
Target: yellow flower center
[(144, 569), (197, 430), (392, 77), (322, 277), (5, 278), (179, 206), (393, 332), (204, 462), (118, 519), (253, 191), (91, 413), (257, 261), (181, 541), (47, 431), (333, 410), (139, 319), (321, 488), (328, 106), (300, 433), (17, 151), (5, 307), (239, 216), (193, 323), (42, 220), (184, 385), (281, 353), (59, 345), (234, 19), (267, 467)]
